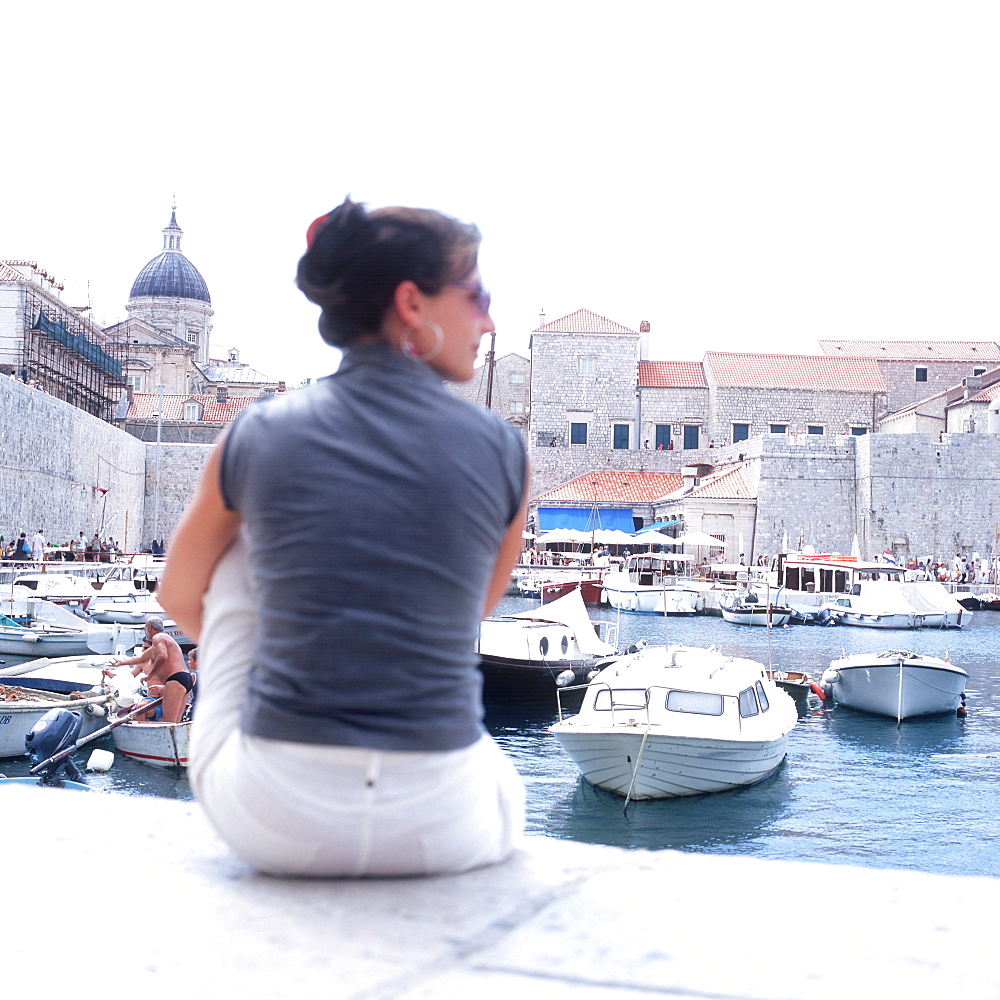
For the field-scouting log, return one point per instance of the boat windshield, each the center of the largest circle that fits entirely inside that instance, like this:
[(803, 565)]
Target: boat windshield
[(695, 702), (608, 700)]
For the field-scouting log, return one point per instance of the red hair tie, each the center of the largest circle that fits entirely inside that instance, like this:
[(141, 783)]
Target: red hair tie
[(314, 227)]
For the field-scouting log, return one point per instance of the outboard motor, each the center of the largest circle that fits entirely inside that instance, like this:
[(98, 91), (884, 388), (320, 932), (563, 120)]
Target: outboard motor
[(55, 731)]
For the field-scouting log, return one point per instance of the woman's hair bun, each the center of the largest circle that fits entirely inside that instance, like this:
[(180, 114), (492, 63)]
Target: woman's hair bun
[(356, 259)]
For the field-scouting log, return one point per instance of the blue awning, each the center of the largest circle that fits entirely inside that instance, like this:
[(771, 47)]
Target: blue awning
[(582, 518), (662, 524)]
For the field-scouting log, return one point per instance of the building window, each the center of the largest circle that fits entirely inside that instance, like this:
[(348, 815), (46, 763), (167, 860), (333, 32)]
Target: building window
[(859, 431), (192, 337), (662, 442), (135, 382), (741, 432), (577, 433), (978, 371), (192, 411), (516, 406), (779, 428), (620, 436), (814, 428), (587, 366), (690, 436), (921, 375), (517, 378)]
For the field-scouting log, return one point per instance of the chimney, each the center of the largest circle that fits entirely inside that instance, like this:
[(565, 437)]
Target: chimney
[(971, 385), (644, 340), (222, 393)]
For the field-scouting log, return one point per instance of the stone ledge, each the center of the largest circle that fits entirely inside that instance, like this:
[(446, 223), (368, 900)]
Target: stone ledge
[(140, 891)]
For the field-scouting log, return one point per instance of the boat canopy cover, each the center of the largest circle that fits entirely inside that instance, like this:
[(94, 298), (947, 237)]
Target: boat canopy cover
[(583, 518), (929, 596), (571, 612)]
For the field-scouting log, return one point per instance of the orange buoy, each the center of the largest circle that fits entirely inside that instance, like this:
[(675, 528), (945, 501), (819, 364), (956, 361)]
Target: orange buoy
[(818, 691)]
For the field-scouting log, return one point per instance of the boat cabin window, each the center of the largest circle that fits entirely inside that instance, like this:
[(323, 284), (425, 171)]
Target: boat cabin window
[(762, 697), (792, 578), (748, 704), (694, 702), (620, 698)]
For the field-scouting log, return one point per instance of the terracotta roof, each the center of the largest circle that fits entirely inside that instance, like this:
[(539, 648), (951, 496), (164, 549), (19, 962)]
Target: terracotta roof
[(986, 395), (791, 371), (583, 321), (913, 350), (671, 373), (726, 484), (614, 487), (144, 406)]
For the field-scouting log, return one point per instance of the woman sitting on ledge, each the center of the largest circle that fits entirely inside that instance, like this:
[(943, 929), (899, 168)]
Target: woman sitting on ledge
[(342, 547)]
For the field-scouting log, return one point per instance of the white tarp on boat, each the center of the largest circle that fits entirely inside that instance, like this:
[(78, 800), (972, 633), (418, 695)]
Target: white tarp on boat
[(928, 597), (571, 612)]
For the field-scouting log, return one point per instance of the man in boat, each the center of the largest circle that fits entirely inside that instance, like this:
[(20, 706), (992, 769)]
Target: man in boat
[(167, 675)]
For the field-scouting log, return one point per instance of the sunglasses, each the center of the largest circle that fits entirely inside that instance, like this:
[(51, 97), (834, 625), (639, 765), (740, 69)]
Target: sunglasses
[(482, 300)]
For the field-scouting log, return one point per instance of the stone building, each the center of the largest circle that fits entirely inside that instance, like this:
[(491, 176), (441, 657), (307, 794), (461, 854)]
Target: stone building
[(55, 347), (500, 386)]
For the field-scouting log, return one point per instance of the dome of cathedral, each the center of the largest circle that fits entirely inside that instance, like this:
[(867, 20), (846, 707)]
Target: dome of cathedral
[(171, 275)]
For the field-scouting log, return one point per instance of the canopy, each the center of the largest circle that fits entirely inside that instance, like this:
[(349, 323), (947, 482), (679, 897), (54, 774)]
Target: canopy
[(700, 538), (647, 537), (570, 611), (585, 518), (663, 524), (563, 535)]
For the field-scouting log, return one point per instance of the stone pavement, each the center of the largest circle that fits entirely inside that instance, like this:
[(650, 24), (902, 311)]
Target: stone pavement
[(108, 895)]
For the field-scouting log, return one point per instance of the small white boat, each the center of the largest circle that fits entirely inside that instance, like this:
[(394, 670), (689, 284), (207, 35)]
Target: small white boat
[(678, 720), (162, 744), (525, 655), (938, 608), (896, 683), (748, 608), (60, 588), (124, 609), (876, 605), (651, 583), (35, 627), (21, 708)]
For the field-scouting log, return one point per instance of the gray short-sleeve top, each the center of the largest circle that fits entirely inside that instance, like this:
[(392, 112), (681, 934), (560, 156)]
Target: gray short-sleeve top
[(375, 502)]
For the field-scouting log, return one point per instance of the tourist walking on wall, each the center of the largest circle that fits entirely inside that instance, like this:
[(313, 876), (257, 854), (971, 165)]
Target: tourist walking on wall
[(22, 549), (339, 726)]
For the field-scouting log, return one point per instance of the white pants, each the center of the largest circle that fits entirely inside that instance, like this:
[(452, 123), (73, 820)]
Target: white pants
[(310, 810)]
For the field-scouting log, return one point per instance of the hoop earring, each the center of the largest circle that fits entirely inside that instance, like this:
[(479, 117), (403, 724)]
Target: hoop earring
[(407, 346)]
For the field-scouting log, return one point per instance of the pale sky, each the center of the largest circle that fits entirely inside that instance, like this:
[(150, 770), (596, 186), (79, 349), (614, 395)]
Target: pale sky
[(747, 176)]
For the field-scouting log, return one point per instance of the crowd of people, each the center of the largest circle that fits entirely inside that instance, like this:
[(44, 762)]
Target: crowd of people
[(37, 549), (960, 569)]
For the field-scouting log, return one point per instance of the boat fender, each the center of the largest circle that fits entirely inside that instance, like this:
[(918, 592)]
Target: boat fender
[(100, 760), (818, 691), (99, 710), (564, 678), (636, 646), (962, 712)]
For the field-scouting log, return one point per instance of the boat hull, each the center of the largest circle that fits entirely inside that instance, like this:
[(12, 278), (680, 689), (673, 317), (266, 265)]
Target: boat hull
[(756, 616), (18, 718), (669, 766), (161, 744), (897, 688), (654, 600)]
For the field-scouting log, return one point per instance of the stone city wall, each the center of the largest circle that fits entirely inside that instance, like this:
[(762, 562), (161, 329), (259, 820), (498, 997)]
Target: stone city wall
[(180, 468), (66, 471)]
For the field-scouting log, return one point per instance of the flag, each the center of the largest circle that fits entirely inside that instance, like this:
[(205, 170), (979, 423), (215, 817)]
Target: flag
[(887, 557)]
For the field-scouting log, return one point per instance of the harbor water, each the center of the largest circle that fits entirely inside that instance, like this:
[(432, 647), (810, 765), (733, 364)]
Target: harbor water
[(854, 789)]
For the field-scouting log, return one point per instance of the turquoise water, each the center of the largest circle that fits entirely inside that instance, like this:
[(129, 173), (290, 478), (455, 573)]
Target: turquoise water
[(855, 789)]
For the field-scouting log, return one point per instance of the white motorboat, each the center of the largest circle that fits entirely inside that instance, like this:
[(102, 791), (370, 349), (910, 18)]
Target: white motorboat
[(938, 608), (749, 608), (35, 627), (896, 683), (679, 720), (60, 588), (21, 708), (652, 583), (124, 609), (875, 605), (162, 744), (526, 654)]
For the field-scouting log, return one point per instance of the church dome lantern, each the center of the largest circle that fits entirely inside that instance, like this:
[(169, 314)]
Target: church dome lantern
[(171, 274)]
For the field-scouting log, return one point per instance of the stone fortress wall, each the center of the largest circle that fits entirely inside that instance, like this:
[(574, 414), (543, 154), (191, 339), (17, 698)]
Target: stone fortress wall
[(66, 471)]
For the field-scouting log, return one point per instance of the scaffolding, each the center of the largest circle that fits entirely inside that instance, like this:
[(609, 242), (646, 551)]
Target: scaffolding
[(69, 356)]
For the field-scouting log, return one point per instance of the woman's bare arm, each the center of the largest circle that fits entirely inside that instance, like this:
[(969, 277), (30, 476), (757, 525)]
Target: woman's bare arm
[(203, 535)]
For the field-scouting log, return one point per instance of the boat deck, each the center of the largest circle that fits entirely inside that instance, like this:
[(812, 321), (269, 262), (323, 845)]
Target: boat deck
[(559, 920)]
